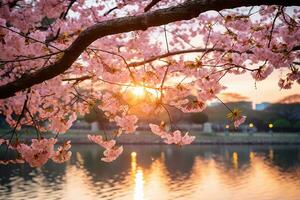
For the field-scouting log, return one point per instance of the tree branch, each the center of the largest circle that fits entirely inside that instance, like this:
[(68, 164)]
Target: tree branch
[(173, 53), (150, 5), (188, 10), (195, 50), (64, 14)]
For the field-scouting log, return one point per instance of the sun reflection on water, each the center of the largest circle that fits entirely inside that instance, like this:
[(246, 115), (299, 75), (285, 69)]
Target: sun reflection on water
[(251, 156), (77, 177), (235, 160), (138, 175), (149, 173), (139, 185), (271, 154), (133, 162)]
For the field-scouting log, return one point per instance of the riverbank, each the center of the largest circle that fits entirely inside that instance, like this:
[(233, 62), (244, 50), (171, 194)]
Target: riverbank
[(145, 137), (218, 138)]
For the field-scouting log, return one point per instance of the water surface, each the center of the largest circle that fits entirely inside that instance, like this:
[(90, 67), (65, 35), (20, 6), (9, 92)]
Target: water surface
[(162, 172)]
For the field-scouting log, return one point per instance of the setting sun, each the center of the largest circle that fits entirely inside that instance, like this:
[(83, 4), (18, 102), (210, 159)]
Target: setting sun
[(138, 91), (153, 99)]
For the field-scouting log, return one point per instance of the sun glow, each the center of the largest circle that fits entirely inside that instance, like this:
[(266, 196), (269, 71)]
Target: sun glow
[(138, 91), (141, 92), (133, 162)]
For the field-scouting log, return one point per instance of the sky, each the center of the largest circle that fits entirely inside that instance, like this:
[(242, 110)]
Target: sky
[(265, 91)]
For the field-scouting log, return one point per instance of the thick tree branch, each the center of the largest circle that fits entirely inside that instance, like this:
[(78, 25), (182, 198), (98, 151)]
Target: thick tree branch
[(188, 10)]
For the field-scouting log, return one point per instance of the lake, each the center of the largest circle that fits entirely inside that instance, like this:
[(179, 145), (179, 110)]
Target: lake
[(259, 172)]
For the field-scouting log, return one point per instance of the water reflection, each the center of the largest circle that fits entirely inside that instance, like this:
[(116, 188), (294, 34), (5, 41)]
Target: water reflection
[(235, 160), (162, 172), (139, 185), (138, 178)]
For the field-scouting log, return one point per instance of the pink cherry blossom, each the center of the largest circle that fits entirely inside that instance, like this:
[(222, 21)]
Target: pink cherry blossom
[(172, 138), (102, 75), (127, 123), (285, 83), (239, 120), (186, 139), (112, 154), (2, 141), (99, 140), (157, 130), (38, 153), (262, 73), (177, 138), (62, 154)]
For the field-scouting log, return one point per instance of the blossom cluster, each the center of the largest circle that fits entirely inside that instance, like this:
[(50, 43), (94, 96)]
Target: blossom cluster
[(112, 152), (39, 152), (175, 137), (35, 35), (239, 120), (236, 116)]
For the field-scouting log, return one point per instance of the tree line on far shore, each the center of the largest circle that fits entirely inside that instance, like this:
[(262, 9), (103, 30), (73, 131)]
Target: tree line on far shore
[(281, 117)]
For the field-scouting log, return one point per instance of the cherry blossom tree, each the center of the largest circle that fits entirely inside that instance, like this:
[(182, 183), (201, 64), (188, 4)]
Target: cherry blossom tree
[(60, 58)]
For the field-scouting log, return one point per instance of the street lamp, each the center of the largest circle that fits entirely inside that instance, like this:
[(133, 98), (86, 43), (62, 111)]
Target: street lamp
[(227, 129), (270, 127), (251, 125)]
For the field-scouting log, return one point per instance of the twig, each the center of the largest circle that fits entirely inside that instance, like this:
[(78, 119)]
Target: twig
[(272, 28), (18, 120), (64, 14), (29, 38), (150, 5)]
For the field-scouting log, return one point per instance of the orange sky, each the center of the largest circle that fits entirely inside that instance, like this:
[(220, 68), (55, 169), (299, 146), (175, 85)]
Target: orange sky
[(266, 90)]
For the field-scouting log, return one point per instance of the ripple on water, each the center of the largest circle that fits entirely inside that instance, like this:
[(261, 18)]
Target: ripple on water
[(162, 172)]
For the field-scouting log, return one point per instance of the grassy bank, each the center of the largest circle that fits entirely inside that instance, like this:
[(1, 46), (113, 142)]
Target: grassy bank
[(248, 138), (144, 137)]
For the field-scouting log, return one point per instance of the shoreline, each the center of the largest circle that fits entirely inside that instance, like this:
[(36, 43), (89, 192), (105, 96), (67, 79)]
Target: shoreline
[(147, 138), (197, 143)]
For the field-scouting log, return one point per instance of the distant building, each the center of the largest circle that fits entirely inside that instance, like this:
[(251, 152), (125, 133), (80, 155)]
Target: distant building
[(262, 106)]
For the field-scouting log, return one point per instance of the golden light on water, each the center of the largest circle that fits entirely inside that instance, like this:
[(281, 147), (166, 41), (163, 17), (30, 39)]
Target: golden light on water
[(138, 176), (235, 160), (139, 185), (251, 175), (133, 162), (271, 154), (77, 178), (251, 156), (206, 176)]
